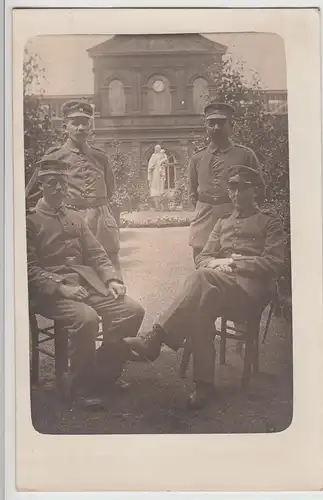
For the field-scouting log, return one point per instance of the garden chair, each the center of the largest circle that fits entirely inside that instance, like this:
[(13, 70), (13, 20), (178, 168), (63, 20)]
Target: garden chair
[(248, 336), (40, 338)]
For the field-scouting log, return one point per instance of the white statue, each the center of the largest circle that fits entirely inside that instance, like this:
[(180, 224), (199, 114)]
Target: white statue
[(157, 175)]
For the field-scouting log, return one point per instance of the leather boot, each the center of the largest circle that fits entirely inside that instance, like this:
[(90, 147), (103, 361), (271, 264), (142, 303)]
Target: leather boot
[(75, 396), (146, 347), (203, 394)]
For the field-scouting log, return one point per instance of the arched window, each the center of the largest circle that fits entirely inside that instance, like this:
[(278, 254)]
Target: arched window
[(200, 94), (159, 99), (116, 97)]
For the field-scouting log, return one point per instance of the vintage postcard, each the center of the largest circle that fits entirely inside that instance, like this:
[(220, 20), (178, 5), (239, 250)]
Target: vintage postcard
[(168, 250)]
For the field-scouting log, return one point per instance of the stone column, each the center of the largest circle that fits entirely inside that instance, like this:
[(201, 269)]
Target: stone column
[(128, 98)]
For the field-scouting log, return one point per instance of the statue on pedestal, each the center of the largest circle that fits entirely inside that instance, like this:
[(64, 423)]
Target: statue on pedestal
[(157, 175)]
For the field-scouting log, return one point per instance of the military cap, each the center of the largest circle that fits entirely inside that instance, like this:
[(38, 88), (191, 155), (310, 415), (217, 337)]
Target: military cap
[(51, 164), (241, 174), (218, 110), (72, 109)]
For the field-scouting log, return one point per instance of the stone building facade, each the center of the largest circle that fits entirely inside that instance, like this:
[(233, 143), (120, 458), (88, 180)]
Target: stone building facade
[(150, 89)]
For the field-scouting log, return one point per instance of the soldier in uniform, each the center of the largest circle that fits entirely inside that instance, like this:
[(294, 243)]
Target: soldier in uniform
[(243, 255), (91, 180), (72, 281), (208, 173)]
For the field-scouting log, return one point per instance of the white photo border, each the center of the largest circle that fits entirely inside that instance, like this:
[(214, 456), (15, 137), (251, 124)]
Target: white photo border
[(301, 246)]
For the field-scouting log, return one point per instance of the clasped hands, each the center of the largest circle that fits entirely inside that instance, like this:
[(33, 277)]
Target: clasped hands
[(78, 292), (224, 265)]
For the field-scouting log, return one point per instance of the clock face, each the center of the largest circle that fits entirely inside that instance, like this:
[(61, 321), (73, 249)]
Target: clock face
[(158, 86)]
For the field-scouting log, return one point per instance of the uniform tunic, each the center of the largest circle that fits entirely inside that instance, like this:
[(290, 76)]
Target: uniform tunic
[(208, 186), (258, 238), (62, 249), (91, 185)]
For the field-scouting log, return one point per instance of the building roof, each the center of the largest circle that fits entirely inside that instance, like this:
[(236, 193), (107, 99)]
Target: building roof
[(123, 45), (68, 67)]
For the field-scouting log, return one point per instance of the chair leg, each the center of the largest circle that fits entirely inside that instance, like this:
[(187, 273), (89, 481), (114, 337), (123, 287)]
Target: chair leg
[(186, 356), (34, 331), (255, 362), (247, 362), (251, 360), (271, 310), (61, 356), (223, 341)]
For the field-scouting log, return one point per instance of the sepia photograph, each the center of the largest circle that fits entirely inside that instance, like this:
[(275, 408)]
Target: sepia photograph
[(158, 235), (167, 250)]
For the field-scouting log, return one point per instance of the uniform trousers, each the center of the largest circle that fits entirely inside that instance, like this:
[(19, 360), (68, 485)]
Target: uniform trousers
[(121, 318), (207, 294)]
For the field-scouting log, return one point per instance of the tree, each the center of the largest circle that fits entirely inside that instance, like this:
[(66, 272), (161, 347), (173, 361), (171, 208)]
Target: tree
[(266, 134), (39, 133)]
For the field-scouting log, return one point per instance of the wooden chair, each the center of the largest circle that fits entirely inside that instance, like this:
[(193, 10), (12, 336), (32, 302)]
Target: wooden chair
[(249, 336), (40, 338)]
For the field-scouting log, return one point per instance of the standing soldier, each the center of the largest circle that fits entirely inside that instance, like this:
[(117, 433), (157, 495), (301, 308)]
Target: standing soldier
[(91, 180), (208, 173)]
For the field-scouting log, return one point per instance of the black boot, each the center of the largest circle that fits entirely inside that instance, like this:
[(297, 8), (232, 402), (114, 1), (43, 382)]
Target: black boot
[(203, 394), (80, 397), (146, 347)]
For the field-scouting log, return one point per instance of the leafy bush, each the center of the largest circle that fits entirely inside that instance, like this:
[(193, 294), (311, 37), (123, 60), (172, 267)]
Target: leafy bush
[(126, 179)]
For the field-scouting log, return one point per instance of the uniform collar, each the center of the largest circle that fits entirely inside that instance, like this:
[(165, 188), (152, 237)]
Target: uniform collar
[(46, 209), (212, 148), (245, 213), (69, 144)]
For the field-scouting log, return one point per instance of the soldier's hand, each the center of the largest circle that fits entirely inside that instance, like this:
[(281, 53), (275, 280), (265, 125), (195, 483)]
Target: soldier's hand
[(224, 269), (116, 289), (74, 292), (216, 263)]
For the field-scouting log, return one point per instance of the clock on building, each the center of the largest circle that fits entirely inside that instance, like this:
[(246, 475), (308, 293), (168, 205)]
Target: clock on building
[(158, 86)]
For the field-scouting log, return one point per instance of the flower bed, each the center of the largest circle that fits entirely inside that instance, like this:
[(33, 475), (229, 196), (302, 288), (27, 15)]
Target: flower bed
[(163, 221)]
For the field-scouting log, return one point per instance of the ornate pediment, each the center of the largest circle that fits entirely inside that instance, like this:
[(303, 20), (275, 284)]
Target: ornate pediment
[(136, 44)]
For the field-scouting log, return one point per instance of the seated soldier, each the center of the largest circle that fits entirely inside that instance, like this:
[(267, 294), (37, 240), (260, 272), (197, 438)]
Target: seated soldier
[(243, 255), (72, 281)]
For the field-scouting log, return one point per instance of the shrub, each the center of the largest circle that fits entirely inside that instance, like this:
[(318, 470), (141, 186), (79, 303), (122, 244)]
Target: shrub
[(165, 221)]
